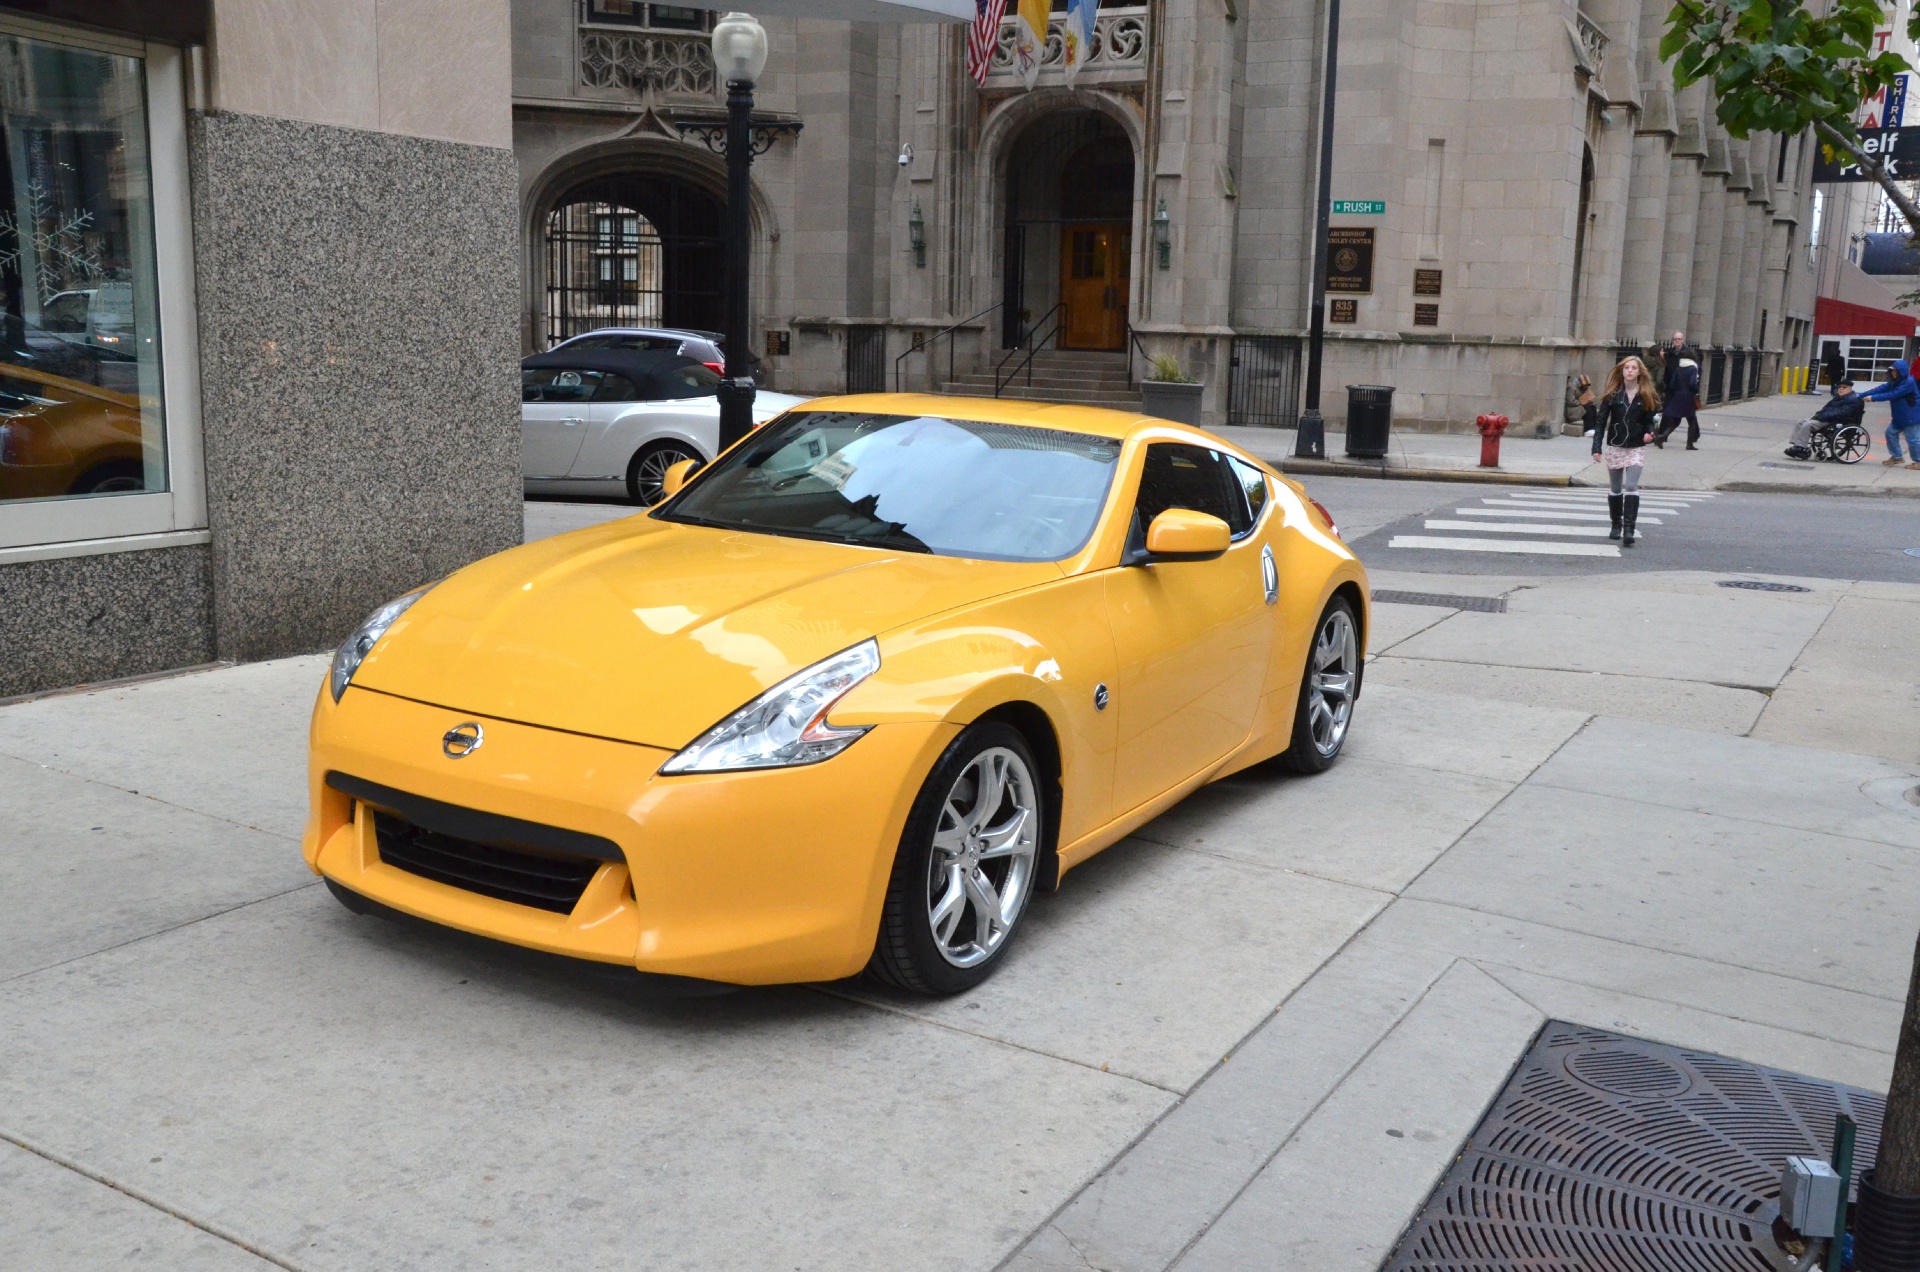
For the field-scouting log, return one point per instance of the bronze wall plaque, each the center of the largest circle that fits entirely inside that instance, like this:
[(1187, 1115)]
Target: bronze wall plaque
[(1343, 310), (1426, 315), (1350, 260), (1426, 282)]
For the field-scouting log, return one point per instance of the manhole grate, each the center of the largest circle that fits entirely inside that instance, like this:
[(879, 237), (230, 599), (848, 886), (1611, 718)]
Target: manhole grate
[(1751, 585), (1609, 1152), (1480, 604)]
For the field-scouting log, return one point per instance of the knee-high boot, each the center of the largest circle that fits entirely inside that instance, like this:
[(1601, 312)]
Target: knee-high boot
[(1613, 515), (1630, 514)]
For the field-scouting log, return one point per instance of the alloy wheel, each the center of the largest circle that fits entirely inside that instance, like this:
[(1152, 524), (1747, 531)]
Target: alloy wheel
[(1332, 679), (981, 868), (650, 475)]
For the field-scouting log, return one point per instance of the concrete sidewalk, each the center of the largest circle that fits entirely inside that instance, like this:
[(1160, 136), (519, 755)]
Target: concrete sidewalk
[(1741, 448), (1252, 1036)]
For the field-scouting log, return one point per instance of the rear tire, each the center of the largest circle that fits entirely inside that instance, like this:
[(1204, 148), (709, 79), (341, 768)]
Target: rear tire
[(1851, 444), (121, 477), (649, 466), (966, 866), (1329, 687)]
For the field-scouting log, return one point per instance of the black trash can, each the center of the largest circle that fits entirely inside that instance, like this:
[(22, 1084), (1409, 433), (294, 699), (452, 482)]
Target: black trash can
[(1369, 419)]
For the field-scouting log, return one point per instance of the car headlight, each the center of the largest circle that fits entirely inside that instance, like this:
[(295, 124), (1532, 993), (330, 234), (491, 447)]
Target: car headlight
[(786, 725), (354, 650)]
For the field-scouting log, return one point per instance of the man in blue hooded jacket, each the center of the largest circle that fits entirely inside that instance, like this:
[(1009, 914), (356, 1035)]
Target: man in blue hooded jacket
[(1902, 395)]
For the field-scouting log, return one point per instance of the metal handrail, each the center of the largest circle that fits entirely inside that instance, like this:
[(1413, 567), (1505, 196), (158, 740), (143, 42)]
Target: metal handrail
[(1133, 343), (926, 346), (1032, 347)]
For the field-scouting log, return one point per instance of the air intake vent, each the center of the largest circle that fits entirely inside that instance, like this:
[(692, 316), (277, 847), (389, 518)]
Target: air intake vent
[(524, 878), (1608, 1152)]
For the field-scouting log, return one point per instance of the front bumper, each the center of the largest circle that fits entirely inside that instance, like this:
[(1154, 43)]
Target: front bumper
[(755, 877)]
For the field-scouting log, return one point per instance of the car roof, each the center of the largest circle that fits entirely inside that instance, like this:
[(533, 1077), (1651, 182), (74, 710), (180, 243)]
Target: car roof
[(634, 363), (684, 333), (1096, 421)]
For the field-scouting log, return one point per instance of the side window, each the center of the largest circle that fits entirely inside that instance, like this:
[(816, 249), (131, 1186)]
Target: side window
[(1253, 484), (690, 380), (1176, 475), (590, 342), (553, 384), (616, 388)]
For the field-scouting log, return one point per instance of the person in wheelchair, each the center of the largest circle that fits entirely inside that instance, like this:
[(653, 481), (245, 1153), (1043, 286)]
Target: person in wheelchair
[(1843, 408)]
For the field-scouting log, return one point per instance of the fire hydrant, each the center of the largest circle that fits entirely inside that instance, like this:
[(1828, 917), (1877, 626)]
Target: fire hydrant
[(1490, 426)]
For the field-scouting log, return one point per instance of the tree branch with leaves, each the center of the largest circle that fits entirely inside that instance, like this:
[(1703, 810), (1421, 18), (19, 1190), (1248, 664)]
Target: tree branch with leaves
[(1782, 68)]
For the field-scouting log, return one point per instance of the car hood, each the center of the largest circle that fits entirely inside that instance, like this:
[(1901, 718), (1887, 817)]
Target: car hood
[(647, 631)]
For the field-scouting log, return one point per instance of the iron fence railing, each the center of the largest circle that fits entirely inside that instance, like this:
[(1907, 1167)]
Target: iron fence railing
[(1737, 377), (867, 359), (1263, 382), (1716, 377)]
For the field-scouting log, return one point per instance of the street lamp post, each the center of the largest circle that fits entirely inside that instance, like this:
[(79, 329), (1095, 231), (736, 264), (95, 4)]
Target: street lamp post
[(739, 56), (1310, 440)]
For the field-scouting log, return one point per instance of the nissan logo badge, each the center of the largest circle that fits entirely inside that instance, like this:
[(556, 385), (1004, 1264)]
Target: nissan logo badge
[(462, 740)]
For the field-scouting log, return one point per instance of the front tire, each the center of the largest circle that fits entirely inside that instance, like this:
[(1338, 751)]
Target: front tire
[(966, 865), (1329, 687), (648, 469)]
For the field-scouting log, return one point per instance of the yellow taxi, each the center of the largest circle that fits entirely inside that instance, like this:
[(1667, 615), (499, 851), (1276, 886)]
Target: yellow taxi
[(845, 700)]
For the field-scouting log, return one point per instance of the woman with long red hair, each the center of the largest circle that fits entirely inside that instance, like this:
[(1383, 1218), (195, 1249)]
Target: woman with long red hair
[(1629, 411)]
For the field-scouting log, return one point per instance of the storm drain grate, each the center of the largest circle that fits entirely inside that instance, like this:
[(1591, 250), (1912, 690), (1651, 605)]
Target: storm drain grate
[(1483, 604), (1606, 1152), (1751, 585)]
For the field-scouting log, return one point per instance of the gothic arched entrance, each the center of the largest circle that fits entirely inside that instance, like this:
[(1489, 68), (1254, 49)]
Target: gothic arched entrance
[(633, 250), (1069, 230)]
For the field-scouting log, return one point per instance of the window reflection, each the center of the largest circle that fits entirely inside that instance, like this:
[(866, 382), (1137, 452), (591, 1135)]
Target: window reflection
[(80, 404)]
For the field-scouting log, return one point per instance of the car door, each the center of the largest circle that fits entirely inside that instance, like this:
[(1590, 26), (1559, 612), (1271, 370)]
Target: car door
[(553, 418), (616, 427), (1192, 637)]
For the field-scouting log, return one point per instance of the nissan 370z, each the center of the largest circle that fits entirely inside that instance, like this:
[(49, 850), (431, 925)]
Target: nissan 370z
[(845, 700)]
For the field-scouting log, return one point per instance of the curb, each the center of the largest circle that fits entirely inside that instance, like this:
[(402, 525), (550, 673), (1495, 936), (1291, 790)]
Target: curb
[(1493, 476), (1787, 488)]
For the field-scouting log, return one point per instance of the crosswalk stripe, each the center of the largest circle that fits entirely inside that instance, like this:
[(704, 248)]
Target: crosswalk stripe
[(1494, 527), (1533, 501), (1539, 513), (1517, 547)]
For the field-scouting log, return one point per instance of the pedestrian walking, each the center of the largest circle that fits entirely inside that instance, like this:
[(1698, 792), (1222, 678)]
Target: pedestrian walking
[(1682, 401), (1903, 397), (1670, 356), (1628, 408), (1844, 407)]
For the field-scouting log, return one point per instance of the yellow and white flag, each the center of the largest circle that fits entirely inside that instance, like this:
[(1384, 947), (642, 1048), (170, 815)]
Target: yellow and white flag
[(1029, 38)]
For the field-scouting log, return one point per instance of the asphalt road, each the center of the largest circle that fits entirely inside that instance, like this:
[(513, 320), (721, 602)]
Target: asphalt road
[(1449, 528)]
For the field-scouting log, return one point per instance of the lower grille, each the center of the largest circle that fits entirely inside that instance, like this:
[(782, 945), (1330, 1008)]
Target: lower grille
[(524, 878)]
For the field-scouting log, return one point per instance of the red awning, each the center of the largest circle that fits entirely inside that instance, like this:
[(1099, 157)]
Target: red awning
[(1840, 318)]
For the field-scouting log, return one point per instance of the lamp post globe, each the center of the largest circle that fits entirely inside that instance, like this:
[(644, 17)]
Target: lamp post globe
[(739, 55)]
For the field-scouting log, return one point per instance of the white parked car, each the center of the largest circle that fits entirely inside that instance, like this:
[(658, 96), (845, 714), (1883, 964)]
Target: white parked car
[(611, 422)]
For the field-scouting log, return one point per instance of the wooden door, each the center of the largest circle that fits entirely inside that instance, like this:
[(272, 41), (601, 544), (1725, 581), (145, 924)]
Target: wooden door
[(1093, 286)]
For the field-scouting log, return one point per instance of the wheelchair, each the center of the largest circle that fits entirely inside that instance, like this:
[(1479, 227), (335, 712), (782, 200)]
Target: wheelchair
[(1839, 443)]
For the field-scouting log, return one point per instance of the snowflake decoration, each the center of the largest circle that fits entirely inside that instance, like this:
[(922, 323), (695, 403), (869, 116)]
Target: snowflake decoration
[(59, 244)]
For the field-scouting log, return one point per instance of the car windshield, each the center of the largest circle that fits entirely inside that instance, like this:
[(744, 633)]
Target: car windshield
[(962, 488)]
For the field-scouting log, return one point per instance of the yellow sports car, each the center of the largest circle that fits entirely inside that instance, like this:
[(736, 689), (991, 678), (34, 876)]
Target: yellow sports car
[(845, 700)]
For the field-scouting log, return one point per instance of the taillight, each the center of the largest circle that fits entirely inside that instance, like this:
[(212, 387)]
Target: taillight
[(1332, 526), (718, 368)]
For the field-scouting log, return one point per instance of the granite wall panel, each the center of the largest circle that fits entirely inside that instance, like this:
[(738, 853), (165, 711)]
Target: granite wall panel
[(358, 294), (92, 618)]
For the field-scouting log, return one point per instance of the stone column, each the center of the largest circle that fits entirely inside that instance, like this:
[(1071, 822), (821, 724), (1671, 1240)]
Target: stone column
[(1641, 265), (1733, 246), (1706, 254)]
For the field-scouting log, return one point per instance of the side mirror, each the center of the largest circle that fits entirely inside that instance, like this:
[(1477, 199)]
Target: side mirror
[(676, 476), (1181, 534)]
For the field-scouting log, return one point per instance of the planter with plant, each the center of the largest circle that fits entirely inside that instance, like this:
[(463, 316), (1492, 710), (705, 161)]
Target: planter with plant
[(1170, 393)]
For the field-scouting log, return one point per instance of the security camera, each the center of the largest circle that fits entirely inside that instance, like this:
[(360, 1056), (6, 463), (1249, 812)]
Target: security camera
[(906, 154)]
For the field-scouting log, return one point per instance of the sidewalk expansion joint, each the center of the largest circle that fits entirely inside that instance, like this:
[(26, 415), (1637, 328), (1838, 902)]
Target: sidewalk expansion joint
[(217, 1231), (125, 790)]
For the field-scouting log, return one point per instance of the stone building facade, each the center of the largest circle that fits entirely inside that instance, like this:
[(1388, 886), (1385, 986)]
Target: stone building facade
[(1544, 198), (257, 269)]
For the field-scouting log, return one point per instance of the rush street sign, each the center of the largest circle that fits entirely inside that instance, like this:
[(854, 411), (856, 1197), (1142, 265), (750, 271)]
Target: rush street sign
[(1359, 207), (1897, 149)]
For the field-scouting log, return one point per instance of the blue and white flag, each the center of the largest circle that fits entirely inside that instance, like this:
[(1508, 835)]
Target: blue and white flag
[(1076, 36)]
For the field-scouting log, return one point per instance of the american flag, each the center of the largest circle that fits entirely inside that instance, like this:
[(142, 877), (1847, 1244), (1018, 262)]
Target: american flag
[(983, 37)]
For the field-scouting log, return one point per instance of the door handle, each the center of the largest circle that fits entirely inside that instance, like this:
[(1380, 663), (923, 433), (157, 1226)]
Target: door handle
[(577, 419)]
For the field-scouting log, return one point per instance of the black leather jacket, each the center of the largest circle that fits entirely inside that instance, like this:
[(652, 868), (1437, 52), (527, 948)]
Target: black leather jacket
[(1624, 423)]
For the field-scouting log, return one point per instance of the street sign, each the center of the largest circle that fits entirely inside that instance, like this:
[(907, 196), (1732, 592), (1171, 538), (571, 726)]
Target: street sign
[(1897, 149), (1359, 207)]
